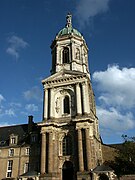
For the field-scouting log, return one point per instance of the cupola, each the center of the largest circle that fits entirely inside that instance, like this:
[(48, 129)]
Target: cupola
[(69, 50)]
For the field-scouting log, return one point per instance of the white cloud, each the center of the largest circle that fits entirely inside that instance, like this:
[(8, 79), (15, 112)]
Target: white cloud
[(15, 45), (31, 107), (116, 98), (1, 106), (87, 9), (15, 105), (116, 86), (10, 112), (1, 98), (113, 119), (8, 109), (34, 93)]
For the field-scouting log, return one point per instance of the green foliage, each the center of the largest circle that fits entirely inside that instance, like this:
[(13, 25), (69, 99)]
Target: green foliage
[(124, 163)]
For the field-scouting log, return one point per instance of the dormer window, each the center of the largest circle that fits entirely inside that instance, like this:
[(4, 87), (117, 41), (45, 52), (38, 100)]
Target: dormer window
[(13, 139), (2, 143), (33, 138), (65, 55)]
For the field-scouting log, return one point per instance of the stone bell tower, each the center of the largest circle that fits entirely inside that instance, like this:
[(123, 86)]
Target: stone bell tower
[(71, 144)]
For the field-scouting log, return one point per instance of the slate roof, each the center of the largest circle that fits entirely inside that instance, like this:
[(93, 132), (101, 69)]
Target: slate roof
[(102, 168), (30, 174), (20, 130)]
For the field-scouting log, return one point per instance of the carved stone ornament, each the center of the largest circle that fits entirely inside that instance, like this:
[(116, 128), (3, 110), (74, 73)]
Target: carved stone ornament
[(63, 92), (77, 54), (57, 104)]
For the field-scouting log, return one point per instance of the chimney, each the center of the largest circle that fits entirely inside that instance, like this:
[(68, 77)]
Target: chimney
[(30, 123)]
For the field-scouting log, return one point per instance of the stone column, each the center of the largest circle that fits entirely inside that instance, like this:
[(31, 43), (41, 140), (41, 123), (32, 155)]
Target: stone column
[(58, 57), (43, 154), (51, 103), (55, 152), (46, 104), (73, 50), (88, 150), (80, 151), (85, 98), (78, 99), (50, 153)]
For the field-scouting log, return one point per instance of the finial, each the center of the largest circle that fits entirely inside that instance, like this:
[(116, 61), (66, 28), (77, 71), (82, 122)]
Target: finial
[(69, 20)]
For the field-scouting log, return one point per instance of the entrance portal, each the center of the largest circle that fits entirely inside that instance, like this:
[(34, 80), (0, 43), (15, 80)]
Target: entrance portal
[(103, 177), (67, 171)]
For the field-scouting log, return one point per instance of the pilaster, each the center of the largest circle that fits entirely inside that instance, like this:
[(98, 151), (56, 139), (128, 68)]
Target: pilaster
[(51, 104), (88, 150), (50, 153), (80, 151), (85, 98), (78, 99), (46, 104), (43, 154)]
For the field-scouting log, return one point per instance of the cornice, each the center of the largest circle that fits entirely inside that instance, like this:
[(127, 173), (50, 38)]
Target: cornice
[(65, 79), (73, 121)]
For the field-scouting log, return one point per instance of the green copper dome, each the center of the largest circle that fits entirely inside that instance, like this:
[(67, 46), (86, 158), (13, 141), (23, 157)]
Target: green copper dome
[(69, 29)]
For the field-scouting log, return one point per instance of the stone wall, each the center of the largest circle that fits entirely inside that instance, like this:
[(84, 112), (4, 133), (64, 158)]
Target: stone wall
[(108, 153)]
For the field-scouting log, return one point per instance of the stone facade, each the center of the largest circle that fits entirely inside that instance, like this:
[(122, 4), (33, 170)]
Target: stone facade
[(19, 150), (70, 136)]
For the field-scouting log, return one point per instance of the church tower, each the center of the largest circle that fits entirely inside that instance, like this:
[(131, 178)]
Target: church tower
[(71, 144)]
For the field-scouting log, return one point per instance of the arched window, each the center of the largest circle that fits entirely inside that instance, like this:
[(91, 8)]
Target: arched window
[(65, 55), (67, 146), (66, 105)]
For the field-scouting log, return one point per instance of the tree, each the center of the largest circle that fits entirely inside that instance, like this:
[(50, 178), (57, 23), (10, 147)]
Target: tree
[(124, 163)]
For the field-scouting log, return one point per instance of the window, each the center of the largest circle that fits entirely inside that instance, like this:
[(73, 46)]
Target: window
[(2, 143), (33, 138), (13, 140), (67, 145), (65, 55), (11, 152), (26, 167), (27, 151), (9, 168), (66, 105)]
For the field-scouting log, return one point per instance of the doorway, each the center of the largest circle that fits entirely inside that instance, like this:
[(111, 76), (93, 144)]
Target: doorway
[(67, 171), (103, 177)]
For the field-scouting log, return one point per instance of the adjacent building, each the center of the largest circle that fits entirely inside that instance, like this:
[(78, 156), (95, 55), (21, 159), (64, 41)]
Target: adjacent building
[(19, 149)]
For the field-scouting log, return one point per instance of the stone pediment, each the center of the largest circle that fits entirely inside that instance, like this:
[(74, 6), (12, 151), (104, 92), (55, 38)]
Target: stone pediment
[(64, 76)]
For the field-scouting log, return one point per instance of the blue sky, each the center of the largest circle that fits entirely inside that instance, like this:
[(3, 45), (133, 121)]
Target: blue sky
[(27, 28)]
